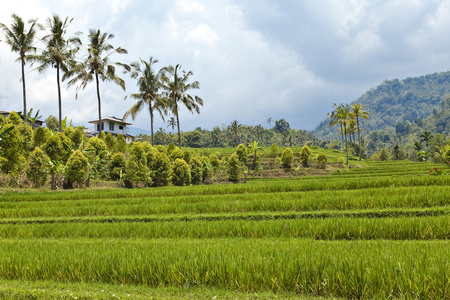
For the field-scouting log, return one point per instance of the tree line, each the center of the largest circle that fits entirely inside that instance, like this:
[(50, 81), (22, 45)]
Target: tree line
[(163, 91), (69, 159)]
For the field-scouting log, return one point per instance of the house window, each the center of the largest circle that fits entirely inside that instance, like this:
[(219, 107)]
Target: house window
[(111, 126), (120, 127), (103, 127)]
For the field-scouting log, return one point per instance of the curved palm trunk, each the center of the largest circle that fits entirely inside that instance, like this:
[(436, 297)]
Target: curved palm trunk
[(99, 105), (24, 92), (59, 97)]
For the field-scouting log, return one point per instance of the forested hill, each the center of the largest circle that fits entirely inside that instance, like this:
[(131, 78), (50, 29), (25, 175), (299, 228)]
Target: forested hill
[(396, 101)]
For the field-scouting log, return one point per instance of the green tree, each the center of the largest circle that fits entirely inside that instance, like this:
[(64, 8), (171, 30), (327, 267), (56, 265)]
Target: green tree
[(149, 84), (52, 123), (256, 161), (305, 156), (282, 126), (117, 166), (181, 174), (357, 112), (340, 115), (37, 168), (196, 170), (97, 66), (273, 152), (234, 168), (10, 148), (59, 52), (39, 137), (160, 169), (322, 161), (121, 144), (287, 157), (137, 170), (177, 86), (110, 142), (242, 153), (21, 41), (77, 169)]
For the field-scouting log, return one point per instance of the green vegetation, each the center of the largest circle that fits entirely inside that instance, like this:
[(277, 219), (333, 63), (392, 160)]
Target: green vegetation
[(376, 231)]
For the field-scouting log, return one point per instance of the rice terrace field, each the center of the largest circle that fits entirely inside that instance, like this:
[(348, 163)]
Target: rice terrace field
[(379, 231)]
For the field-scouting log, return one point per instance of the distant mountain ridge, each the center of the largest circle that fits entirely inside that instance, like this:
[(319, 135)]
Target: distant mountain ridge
[(397, 101)]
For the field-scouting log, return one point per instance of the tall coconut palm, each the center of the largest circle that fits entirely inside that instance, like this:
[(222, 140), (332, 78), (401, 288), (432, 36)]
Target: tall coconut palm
[(357, 112), (149, 84), (341, 115), (97, 66), (172, 123), (177, 86), (21, 41), (59, 52)]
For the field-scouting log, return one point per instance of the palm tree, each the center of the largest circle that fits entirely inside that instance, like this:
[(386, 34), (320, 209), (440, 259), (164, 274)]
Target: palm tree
[(172, 123), (149, 84), (426, 136), (176, 88), (356, 113), (235, 129), (97, 66), (59, 52), (20, 41), (341, 115), (269, 120)]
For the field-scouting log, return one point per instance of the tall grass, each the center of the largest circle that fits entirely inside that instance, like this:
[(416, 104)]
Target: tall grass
[(334, 228), (357, 269)]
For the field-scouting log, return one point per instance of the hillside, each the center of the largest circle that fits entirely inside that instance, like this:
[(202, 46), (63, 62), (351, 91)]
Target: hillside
[(396, 101)]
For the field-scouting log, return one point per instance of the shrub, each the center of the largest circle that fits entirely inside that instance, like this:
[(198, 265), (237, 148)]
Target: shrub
[(117, 166), (78, 136), (38, 167), (181, 174), (10, 149), (234, 168), (322, 161), (98, 146), (39, 137), (273, 152), (305, 156), (215, 162), (207, 170), (341, 161), (176, 153), (121, 144), (241, 152), (196, 170), (54, 147), (170, 148), (110, 142), (137, 170), (161, 148), (287, 157), (160, 169), (384, 154), (77, 169)]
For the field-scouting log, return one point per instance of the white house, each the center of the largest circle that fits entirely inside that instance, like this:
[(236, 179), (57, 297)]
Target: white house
[(114, 126)]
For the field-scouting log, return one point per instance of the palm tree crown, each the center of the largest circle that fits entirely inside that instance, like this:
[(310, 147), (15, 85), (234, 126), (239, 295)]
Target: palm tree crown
[(177, 86), (149, 84), (59, 52), (21, 42), (97, 65)]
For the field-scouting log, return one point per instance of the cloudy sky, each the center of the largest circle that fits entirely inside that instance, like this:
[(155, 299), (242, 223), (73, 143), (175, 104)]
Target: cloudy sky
[(254, 59)]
